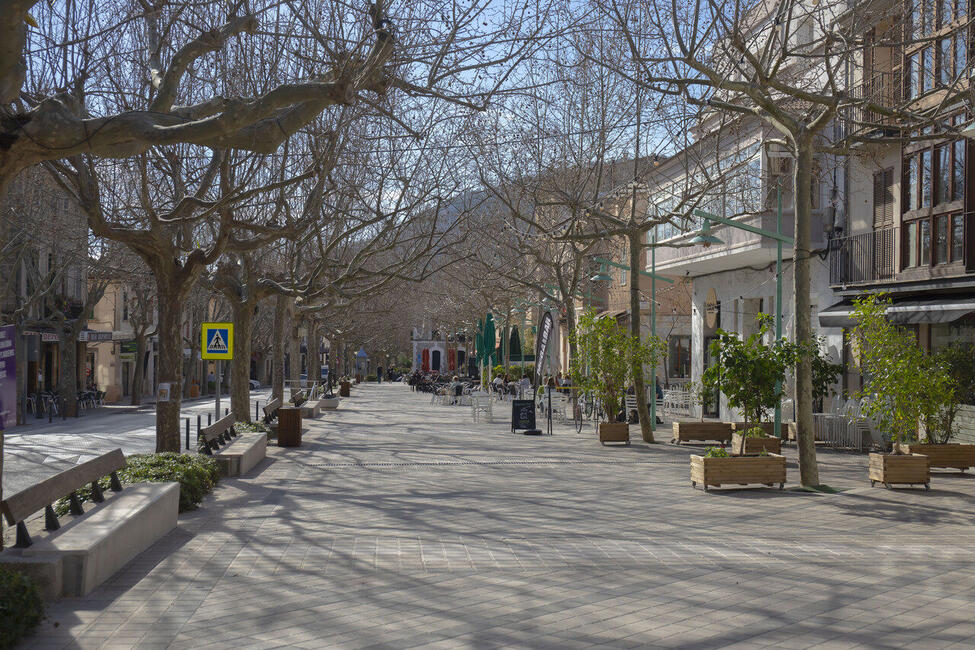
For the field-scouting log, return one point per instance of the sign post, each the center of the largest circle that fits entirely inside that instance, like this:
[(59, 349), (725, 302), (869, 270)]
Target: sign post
[(217, 344)]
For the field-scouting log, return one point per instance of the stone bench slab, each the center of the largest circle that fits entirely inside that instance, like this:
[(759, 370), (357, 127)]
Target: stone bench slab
[(96, 545), (242, 455)]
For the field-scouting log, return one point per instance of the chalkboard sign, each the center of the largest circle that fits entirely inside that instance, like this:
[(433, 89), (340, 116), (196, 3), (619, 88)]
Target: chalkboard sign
[(522, 414)]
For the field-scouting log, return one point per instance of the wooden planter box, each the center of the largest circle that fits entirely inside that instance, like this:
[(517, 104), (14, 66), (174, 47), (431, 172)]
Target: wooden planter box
[(614, 432), (770, 444), (954, 455), (701, 432), (738, 470), (345, 389), (767, 427), (900, 469), (289, 427)]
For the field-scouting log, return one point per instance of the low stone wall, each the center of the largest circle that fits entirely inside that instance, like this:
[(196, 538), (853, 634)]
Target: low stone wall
[(965, 424)]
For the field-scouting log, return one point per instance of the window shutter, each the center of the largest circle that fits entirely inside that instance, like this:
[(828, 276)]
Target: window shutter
[(883, 198)]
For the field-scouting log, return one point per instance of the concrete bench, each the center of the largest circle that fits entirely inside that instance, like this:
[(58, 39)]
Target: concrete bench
[(236, 453), (95, 544), (310, 407)]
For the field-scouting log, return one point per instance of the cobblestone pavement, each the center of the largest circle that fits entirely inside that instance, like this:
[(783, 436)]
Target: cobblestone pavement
[(401, 524)]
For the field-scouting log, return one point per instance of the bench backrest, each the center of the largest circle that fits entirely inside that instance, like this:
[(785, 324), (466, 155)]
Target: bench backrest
[(298, 397), (17, 507), (216, 434), (271, 409)]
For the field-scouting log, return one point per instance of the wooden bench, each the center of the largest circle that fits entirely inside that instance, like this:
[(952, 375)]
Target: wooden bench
[(271, 410), (236, 453), (298, 397), (701, 432), (94, 545)]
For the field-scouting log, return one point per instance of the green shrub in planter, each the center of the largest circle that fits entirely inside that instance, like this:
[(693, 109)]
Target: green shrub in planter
[(716, 452), (21, 607), (196, 475), (252, 427)]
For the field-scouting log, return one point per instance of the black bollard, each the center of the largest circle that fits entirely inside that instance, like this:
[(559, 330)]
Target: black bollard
[(209, 420), (257, 409), (226, 411), (187, 433), (197, 425)]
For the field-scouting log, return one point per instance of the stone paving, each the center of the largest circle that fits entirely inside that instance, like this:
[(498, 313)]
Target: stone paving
[(401, 524)]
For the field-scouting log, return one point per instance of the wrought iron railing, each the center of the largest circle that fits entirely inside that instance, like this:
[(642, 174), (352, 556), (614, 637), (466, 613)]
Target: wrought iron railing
[(864, 257), (882, 89)]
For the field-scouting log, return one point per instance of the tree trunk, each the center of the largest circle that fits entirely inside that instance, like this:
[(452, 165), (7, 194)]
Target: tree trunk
[(805, 436), (646, 426), (312, 362), (294, 349), (68, 375), (140, 355), (240, 387), (170, 360), (277, 347)]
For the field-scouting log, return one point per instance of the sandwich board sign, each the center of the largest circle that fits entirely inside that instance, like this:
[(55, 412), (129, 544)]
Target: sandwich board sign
[(217, 341)]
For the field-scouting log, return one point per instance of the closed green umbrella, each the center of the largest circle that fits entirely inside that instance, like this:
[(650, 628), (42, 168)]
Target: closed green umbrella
[(489, 337)]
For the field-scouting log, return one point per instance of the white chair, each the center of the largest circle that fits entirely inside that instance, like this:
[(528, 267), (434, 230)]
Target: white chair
[(481, 404)]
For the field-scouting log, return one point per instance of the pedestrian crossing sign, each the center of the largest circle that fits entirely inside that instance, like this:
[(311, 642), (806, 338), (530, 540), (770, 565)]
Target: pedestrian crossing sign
[(217, 341)]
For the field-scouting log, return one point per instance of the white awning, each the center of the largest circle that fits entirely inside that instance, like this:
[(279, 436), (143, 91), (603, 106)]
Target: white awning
[(904, 312)]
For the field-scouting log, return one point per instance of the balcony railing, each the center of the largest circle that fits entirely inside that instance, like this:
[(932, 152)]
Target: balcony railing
[(881, 89), (863, 258)]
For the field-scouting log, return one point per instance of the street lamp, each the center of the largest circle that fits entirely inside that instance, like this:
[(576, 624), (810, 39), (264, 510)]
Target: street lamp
[(705, 238)]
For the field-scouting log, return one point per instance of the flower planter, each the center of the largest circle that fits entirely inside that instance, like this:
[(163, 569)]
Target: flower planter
[(329, 403), (900, 469), (701, 432), (614, 432), (770, 444), (738, 470), (953, 455)]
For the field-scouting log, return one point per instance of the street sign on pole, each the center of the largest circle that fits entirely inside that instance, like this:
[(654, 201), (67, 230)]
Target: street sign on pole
[(217, 342)]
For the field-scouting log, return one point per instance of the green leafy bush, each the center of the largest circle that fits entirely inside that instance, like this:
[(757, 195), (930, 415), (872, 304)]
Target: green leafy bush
[(21, 607), (754, 432), (196, 475), (251, 427), (716, 452)]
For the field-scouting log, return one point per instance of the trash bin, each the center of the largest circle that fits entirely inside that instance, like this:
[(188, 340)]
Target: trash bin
[(345, 389), (289, 426)]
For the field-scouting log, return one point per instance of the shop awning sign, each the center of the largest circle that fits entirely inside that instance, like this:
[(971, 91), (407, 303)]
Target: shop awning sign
[(217, 341)]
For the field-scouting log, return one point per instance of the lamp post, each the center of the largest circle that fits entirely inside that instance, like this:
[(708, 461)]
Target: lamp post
[(705, 238)]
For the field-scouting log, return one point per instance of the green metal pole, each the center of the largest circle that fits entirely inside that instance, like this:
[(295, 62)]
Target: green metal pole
[(778, 303), (653, 327)]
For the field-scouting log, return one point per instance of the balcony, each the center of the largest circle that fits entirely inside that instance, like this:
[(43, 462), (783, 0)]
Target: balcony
[(880, 89), (863, 258)]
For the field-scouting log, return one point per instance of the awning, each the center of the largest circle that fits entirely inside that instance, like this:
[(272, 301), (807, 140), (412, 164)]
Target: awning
[(904, 312)]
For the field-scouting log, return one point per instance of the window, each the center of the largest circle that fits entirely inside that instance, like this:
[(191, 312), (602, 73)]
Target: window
[(957, 238), (910, 244), (927, 69), (944, 61), (942, 155), (622, 277), (924, 237), (958, 170), (125, 306), (679, 357), (934, 177), (941, 239)]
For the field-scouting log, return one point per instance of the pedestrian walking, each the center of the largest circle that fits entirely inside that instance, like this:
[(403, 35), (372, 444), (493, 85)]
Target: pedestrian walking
[(379, 375)]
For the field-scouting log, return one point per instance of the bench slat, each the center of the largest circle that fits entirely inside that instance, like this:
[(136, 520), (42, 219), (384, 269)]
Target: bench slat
[(218, 428), (28, 501)]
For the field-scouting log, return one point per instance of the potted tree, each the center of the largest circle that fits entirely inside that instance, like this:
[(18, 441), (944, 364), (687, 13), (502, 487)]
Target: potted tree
[(602, 365), (751, 375), (903, 387), (958, 362)]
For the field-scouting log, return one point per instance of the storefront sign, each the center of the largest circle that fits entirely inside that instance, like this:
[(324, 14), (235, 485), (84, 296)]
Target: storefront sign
[(128, 351), (8, 377)]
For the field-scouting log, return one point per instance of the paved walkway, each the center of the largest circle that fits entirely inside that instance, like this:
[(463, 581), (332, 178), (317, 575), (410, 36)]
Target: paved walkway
[(400, 524), (41, 448)]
